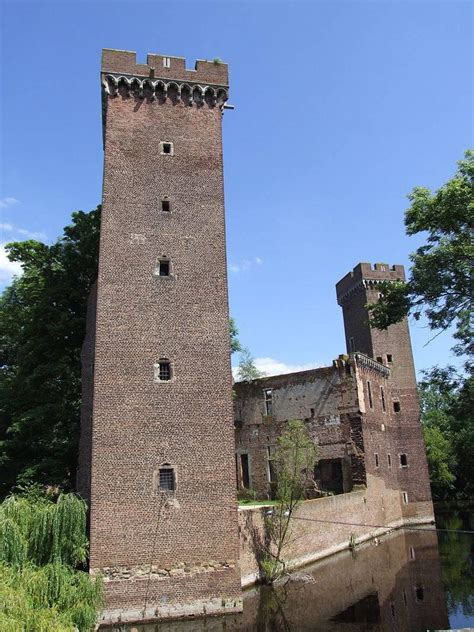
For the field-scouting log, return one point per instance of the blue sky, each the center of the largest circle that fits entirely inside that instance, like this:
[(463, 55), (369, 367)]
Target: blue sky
[(341, 108)]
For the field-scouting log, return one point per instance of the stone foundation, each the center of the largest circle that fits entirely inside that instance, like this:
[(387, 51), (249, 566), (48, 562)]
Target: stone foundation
[(178, 594)]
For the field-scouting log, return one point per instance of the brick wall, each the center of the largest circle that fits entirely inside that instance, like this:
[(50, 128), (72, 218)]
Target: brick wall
[(393, 348), (138, 424), (324, 526), (325, 399)]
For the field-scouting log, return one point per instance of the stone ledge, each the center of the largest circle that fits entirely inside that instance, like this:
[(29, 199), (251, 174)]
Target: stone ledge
[(199, 607), (183, 569)]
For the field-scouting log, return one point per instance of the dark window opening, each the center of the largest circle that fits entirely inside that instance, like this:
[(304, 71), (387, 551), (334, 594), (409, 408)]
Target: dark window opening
[(369, 393), (396, 407), (244, 463), (333, 475), (412, 553), (389, 358), (403, 460), (376, 459), (165, 206), (382, 397), (167, 480), (379, 359), (164, 268), (392, 609), (405, 600), (268, 394), (405, 498), (167, 148), (420, 593), (271, 466), (164, 371), (389, 460)]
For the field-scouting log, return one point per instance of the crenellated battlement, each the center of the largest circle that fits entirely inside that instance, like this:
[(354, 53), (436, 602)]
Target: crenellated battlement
[(164, 67), (365, 275), (163, 78)]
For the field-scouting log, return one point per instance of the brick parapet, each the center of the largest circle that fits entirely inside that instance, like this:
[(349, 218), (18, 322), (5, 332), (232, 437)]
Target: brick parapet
[(125, 62), (367, 275)]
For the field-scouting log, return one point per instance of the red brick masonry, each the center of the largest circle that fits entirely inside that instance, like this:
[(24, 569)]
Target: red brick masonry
[(133, 424)]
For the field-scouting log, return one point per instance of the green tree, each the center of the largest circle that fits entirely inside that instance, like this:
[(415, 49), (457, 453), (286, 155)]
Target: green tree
[(234, 337), (440, 288), (447, 402), (440, 455), (247, 370), (440, 284), (462, 414), (294, 461), (42, 326)]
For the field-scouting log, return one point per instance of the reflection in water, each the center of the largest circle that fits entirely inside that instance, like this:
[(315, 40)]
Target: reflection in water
[(457, 556), (396, 586)]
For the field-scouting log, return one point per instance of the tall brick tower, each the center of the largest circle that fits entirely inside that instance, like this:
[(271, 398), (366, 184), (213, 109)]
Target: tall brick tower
[(157, 445), (399, 413)]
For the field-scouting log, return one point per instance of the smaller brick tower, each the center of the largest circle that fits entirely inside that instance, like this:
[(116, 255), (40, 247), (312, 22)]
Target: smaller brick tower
[(400, 418)]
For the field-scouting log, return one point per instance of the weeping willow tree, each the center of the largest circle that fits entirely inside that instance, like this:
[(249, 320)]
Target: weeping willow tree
[(42, 546)]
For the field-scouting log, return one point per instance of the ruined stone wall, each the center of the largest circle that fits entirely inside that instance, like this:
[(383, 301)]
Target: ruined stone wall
[(326, 399), (140, 423)]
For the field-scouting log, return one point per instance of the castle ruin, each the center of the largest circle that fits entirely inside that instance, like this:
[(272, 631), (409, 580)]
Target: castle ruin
[(158, 454)]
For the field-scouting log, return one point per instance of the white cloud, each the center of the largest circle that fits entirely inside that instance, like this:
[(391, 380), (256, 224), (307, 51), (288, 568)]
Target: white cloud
[(270, 366), (31, 234), (7, 268), (245, 264), (22, 231), (8, 201)]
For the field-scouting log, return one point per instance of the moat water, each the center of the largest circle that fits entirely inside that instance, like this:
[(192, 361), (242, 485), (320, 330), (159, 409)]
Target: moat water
[(409, 581)]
